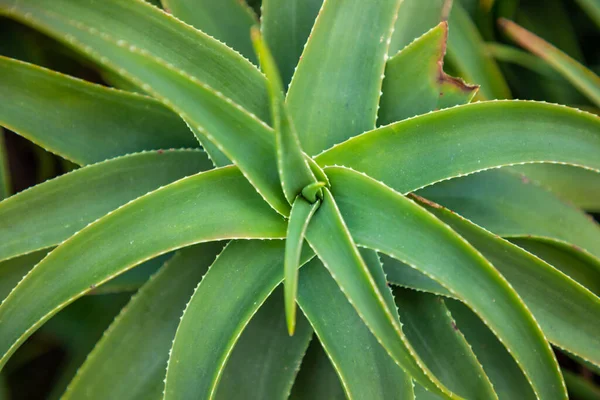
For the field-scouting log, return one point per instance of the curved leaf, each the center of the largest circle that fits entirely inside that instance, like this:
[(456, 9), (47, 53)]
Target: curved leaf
[(593, 9), (130, 360), (578, 265), (505, 374), (294, 172), (415, 82), (366, 372), (12, 271), (216, 319), (584, 79), (470, 138), (330, 239), (145, 27), (226, 20), (329, 104), (83, 122), (317, 378), (432, 331), (285, 25), (49, 213), (265, 359), (214, 205), (373, 213), (568, 314), (302, 212), (510, 206), (578, 186)]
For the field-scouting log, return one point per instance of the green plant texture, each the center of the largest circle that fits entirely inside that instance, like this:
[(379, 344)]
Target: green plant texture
[(305, 203)]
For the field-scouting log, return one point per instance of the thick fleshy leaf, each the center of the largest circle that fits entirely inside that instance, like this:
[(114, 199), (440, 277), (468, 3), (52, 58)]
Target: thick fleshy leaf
[(373, 211), (584, 79), (330, 239), (13, 270), (468, 55), (302, 212), (505, 374), (470, 138), (578, 186), (5, 184), (213, 319), (578, 265), (568, 314), (265, 359), (294, 172), (78, 23), (83, 122), (329, 104), (226, 20), (133, 279), (416, 17), (415, 82), (511, 206), (317, 378), (212, 115), (432, 332), (214, 205), (285, 25), (51, 212), (366, 372), (130, 360)]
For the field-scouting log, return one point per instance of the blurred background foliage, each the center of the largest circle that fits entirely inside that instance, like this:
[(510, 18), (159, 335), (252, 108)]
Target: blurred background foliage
[(479, 51)]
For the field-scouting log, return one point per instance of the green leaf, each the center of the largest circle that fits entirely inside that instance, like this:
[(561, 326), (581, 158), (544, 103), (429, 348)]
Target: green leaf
[(581, 77), (329, 103), (468, 55), (78, 23), (578, 186), (329, 237), (580, 387), (470, 138), (51, 212), (568, 314), (302, 212), (133, 279), (265, 359), (366, 372), (213, 319), (130, 360), (5, 181), (433, 333), (285, 25), (317, 378), (226, 20), (578, 265), (372, 213), (415, 82), (415, 18), (592, 7), (13, 270), (209, 206), (504, 203), (294, 172), (505, 374), (83, 122)]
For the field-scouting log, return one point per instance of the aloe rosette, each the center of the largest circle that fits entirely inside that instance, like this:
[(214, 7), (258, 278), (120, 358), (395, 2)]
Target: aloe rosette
[(317, 149)]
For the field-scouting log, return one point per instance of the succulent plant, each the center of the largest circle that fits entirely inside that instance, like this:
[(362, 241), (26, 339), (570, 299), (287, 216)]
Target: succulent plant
[(319, 159)]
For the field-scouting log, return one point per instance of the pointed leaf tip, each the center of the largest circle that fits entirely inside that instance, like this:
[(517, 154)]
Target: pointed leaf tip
[(300, 216)]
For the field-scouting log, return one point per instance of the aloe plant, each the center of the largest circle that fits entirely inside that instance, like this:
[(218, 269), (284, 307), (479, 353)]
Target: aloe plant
[(330, 202)]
